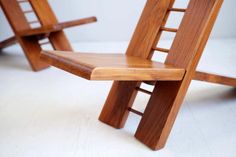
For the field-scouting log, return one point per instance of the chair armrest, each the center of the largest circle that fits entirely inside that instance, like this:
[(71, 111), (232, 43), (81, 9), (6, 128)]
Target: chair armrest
[(56, 27), (78, 22)]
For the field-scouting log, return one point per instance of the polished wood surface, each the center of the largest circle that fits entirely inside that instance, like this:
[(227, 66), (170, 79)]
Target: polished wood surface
[(215, 78), (123, 94), (111, 66), (56, 27), (185, 52), (29, 37), (168, 95)]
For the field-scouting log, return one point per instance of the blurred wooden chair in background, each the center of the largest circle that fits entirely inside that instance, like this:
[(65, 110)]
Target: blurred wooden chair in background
[(31, 35)]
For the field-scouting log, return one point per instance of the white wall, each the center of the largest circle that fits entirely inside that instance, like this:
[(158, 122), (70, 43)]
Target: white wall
[(117, 19)]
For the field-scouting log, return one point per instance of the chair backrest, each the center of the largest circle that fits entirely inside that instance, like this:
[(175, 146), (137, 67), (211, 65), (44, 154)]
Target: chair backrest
[(44, 12), (191, 36), (17, 16)]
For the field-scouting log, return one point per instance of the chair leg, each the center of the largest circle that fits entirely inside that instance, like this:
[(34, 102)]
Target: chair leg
[(32, 51), (8, 42), (161, 112), (213, 78), (121, 97), (59, 41)]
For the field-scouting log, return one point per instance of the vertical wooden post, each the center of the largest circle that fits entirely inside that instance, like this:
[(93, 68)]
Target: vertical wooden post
[(186, 51), (122, 94), (18, 23), (46, 17)]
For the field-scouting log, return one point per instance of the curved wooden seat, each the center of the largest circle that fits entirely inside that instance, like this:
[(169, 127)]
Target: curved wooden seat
[(94, 66)]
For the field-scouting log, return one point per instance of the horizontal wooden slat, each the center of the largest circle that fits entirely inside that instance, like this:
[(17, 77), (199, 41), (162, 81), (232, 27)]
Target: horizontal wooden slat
[(56, 27), (169, 29), (177, 9), (112, 66), (161, 49), (78, 22), (215, 78), (143, 90), (208, 77), (8, 42), (135, 111)]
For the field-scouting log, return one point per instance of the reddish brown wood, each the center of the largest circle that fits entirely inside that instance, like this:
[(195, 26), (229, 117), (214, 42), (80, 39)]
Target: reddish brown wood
[(8, 42), (215, 78), (93, 66), (185, 52), (18, 23), (55, 28), (122, 94), (29, 38), (47, 18), (168, 94)]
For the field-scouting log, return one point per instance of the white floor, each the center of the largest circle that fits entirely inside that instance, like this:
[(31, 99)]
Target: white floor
[(54, 114)]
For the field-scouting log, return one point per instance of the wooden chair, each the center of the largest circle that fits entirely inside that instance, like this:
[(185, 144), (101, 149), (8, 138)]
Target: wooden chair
[(171, 78), (30, 38)]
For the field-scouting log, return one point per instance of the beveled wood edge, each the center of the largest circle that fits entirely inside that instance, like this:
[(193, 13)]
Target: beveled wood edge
[(215, 78), (97, 73), (66, 65), (56, 27), (122, 74), (78, 22)]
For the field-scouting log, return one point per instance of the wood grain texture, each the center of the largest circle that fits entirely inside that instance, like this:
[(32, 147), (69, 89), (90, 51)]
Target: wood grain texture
[(56, 27), (167, 97), (111, 66), (123, 94), (18, 22), (50, 28), (47, 18), (215, 78)]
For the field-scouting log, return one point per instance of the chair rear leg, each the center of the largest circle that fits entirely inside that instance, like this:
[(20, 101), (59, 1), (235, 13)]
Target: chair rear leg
[(8, 42), (59, 41), (32, 51), (121, 97), (161, 112), (213, 78)]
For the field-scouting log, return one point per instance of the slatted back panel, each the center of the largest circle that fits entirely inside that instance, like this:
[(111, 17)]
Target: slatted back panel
[(44, 12), (189, 34), (148, 28), (193, 32), (14, 15)]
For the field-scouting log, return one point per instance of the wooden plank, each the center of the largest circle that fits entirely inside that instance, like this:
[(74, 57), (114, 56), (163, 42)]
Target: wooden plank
[(47, 18), (8, 42), (32, 51), (14, 15), (78, 22), (186, 51), (111, 66), (215, 78), (56, 27), (18, 22), (122, 93)]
